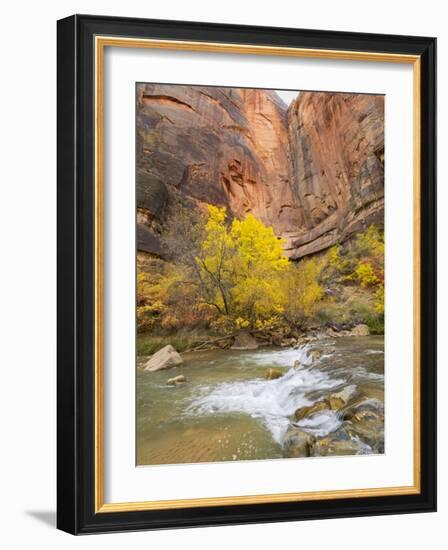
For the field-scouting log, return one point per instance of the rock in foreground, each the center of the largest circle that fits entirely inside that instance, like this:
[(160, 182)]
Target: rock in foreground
[(319, 406), (340, 443), (177, 380), (298, 443), (273, 374), (360, 330), (244, 341), (333, 402), (165, 358)]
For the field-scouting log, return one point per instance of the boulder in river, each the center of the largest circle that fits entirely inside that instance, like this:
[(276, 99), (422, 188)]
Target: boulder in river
[(333, 402), (341, 398), (272, 374), (366, 420), (339, 443), (372, 433), (360, 330), (244, 341), (312, 409), (165, 358), (360, 408), (180, 379), (298, 443), (301, 341), (314, 355)]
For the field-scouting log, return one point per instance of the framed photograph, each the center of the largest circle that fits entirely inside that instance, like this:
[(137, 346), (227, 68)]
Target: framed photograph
[(246, 274)]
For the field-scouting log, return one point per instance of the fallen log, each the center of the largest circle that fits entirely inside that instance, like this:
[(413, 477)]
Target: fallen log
[(211, 342)]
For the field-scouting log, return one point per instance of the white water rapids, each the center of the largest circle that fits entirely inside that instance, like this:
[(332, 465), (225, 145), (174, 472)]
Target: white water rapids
[(273, 402), (228, 409)]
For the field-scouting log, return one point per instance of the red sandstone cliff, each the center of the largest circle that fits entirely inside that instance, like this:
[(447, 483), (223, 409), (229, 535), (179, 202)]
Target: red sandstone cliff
[(337, 167), (314, 172)]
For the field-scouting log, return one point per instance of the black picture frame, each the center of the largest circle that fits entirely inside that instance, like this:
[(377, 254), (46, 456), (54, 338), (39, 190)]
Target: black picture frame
[(76, 272)]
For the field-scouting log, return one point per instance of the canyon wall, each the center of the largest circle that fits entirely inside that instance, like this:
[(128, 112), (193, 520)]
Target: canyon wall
[(314, 172), (337, 167)]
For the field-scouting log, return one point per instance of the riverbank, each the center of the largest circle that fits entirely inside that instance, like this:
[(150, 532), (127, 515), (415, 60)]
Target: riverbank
[(184, 341), (328, 400)]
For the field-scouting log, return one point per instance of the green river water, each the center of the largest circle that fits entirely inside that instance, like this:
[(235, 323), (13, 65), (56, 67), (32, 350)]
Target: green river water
[(228, 410)]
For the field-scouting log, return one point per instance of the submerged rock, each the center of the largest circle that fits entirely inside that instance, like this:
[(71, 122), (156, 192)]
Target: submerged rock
[(165, 358), (312, 409), (301, 341), (361, 407), (314, 355), (298, 443), (366, 420), (334, 402), (344, 395), (372, 435), (177, 380), (273, 374), (340, 443), (244, 341)]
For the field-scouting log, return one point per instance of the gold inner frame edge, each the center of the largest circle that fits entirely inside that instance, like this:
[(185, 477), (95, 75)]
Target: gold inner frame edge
[(101, 42)]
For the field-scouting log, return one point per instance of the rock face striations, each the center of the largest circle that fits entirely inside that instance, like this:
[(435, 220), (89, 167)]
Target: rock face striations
[(314, 172), (337, 167)]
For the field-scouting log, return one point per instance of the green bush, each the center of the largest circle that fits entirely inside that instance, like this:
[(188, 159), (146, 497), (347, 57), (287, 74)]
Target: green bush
[(148, 343), (375, 324)]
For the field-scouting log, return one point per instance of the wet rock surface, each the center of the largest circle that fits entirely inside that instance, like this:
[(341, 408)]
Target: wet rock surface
[(273, 374), (358, 425), (165, 358), (339, 443), (311, 410), (244, 341), (176, 380), (298, 443)]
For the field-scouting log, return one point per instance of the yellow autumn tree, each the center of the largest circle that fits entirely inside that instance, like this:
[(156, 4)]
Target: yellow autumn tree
[(240, 264), (370, 271), (234, 273), (214, 261), (258, 264), (302, 291)]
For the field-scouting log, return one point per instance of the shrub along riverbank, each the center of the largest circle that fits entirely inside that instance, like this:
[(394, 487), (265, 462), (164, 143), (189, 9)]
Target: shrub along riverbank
[(222, 276)]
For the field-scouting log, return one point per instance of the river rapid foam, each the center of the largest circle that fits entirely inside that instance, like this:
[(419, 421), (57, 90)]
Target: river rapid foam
[(273, 402)]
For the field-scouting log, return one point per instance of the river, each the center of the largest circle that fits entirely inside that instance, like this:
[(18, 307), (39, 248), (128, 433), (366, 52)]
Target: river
[(228, 410)]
